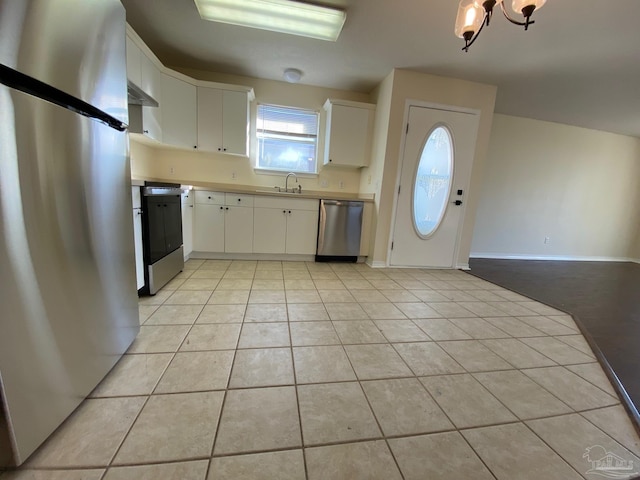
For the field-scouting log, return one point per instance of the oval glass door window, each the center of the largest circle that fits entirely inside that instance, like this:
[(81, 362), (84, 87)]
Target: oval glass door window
[(433, 182)]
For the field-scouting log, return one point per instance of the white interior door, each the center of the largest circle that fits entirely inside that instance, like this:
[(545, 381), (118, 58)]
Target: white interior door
[(435, 174)]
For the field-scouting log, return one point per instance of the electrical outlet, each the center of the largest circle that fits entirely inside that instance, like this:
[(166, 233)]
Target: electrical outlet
[(171, 170), (234, 175), (341, 184), (369, 180), (324, 183), (547, 240)]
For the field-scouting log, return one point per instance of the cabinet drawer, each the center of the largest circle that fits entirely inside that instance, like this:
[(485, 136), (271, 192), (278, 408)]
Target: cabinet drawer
[(187, 197), (287, 203), (238, 200), (209, 198)]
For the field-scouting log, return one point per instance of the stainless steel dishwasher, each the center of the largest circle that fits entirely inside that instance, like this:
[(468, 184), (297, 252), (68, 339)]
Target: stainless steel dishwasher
[(339, 230)]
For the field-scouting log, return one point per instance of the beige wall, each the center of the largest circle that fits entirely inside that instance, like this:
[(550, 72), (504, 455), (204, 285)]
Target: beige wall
[(408, 85), (189, 167), (579, 187), (371, 177)]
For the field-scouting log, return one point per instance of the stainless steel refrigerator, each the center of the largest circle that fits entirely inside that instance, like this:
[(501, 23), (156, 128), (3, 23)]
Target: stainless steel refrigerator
[(68, 304)]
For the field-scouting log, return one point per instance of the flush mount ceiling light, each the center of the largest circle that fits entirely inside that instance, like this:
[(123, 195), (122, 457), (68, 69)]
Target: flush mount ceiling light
[(284, 16), (292, 75), (473, 15)]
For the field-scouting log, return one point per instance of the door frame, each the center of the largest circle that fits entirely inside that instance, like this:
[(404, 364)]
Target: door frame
[(403, 139)]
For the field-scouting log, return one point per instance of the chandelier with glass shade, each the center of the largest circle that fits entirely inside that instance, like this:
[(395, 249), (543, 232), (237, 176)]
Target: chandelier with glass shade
[(474, 15)]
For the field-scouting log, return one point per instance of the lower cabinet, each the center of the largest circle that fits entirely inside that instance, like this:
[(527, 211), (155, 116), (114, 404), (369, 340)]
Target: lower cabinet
[(223, 223), (187, 223), (237, 223), (285, 226), (208, 228), (137, 236), (238, 229), (269, 230)]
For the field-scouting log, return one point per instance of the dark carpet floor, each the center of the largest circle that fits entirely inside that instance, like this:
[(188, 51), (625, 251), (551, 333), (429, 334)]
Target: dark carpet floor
[(604, 298)]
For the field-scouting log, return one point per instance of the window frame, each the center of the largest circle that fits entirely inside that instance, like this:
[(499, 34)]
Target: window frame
[(260, 169)]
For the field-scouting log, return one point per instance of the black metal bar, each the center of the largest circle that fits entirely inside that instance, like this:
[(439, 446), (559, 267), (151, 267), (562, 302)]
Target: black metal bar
[(24, 83)]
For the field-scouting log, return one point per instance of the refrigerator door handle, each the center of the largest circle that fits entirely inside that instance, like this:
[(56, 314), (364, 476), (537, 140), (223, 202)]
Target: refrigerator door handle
[(24, 83)]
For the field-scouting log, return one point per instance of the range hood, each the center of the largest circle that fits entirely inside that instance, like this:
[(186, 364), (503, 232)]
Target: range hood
[(137, 97)]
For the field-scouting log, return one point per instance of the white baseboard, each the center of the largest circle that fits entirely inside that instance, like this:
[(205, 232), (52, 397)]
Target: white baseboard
[(568, 258), (376, 264), (463, 266), (252, 256)]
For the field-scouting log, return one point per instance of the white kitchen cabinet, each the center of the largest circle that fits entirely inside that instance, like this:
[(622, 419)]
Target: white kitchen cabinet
[(223, 222), (349, 128), (134, 55), (285, 225), (302, 232), (187, 222), (212, 198), (179, 107), (238, 229), (208, 228), (137, 235), (269, 230), (223, 121)]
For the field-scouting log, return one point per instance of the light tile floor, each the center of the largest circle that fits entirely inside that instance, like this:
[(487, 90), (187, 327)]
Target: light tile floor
[(291, 370)]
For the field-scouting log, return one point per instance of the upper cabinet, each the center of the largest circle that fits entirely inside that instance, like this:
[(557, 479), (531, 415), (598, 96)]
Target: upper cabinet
[(144, 76), (179, 107), (223, 121), (348, 131), (192, 114), (134, 71)]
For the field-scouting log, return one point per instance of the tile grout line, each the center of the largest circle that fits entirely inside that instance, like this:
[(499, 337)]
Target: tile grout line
[(224, 398), (295, 381)]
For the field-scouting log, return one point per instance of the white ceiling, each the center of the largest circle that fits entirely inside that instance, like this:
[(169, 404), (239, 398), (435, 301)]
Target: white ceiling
[(579, 63)]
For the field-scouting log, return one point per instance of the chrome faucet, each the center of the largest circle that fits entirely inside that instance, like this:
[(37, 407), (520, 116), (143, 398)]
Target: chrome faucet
[(286, 181)]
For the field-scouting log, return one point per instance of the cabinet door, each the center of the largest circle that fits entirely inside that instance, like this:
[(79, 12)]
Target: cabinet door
[(179, 119), (152, 85), (133, 63), (235, 122), (137, 240), (210, 119), (238, 229), (269, 230), (208, 228), (187, 221), (150, 78), (187, 228), (213, 198), (347, 136), (302, 231)]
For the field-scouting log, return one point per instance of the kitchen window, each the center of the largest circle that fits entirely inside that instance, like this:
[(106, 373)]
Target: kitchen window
[(287, 139)]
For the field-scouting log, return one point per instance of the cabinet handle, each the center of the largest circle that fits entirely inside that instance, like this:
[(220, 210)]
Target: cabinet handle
[(330, 160), (221, 208), (227, 208), (139, 213), (239, 199), (209, 198), (190, 206), (145, 131), (284, 211), (224, 149), (195, 147), (219, 149), (289, 212)]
